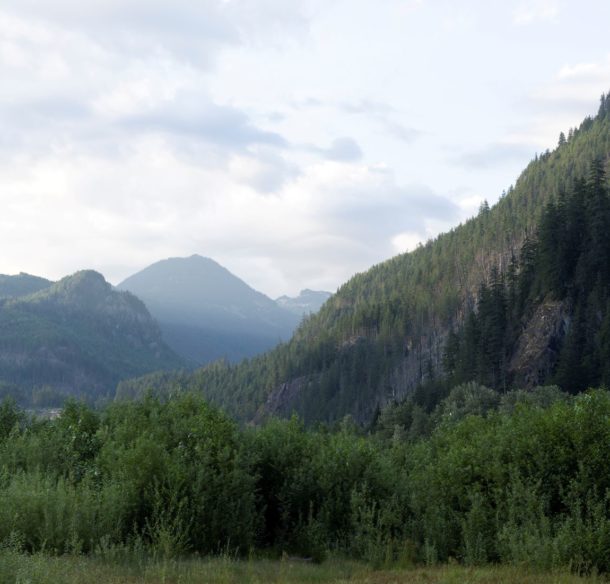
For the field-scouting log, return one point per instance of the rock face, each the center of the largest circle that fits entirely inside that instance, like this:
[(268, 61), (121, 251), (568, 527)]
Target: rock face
[(281, 400), (78, 337), (537, 351)]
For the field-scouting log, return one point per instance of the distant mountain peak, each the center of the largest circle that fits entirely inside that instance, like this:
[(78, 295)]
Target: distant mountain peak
[(194, 283), (84, 279), (206, 312), (82, 284), (88, 290)]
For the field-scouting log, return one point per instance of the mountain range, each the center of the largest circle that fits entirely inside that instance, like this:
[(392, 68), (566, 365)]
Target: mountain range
[(80, 336)]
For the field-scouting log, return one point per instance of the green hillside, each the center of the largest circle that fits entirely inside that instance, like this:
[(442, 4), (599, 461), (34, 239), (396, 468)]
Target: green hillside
[(21, 285), (76, 337)]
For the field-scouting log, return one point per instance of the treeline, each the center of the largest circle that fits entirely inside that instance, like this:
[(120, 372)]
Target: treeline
[(565, 260), (520, 477)]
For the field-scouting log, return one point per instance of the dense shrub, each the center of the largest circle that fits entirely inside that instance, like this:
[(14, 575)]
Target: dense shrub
[(522, 478)]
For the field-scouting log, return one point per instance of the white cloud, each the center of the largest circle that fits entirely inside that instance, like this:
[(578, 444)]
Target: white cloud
[(578, 71), (531, 11), (561, 103), (317, 228), (406, 242)]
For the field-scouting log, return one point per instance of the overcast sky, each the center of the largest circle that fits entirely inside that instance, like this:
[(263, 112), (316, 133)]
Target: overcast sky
[(294, 141)]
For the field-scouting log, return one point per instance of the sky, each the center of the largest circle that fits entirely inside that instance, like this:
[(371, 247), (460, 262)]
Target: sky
[(296, 142)]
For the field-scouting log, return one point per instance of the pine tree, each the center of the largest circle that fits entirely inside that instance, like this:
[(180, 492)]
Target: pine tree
[(598, 214), (527, 273)]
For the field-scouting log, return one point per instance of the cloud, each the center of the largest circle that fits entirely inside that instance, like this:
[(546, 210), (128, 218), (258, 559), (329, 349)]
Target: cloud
[(575, 85), (562, 101), (495, 155), (403, 133), (191, 30), (266, 172), (344, 149), (261, 211), (348, 214), (368, 106), (406, 241), (532, 11), (221, 125), (67, 91)]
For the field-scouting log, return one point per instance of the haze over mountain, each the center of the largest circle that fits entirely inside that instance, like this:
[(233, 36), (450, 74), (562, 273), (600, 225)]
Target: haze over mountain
[(517, 296), (307, 302), (75, 337), (207, 313)]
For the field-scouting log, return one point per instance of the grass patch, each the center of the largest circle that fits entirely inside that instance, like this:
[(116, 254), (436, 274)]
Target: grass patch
[(17, 568)]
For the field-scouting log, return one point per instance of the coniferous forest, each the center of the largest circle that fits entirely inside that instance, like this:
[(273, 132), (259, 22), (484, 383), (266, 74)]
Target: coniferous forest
[(565, 261)]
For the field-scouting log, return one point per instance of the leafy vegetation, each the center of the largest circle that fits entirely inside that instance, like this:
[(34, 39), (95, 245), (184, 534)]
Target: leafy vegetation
[(518, 479)]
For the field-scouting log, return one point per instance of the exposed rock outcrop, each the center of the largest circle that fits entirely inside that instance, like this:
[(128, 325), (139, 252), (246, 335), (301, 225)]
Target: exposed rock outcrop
[(538, 348)]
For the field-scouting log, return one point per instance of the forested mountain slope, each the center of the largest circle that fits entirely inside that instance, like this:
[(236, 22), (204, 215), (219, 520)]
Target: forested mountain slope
[(384, 333), (207, 313), (76, 337), (21, 285)]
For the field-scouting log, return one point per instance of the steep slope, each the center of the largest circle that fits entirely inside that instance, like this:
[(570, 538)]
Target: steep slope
[(307, 302), (207, 313), (77, 337), (384, 333)]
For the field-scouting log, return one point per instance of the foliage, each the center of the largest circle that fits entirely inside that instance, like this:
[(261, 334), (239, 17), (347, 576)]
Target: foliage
[(521, 479)]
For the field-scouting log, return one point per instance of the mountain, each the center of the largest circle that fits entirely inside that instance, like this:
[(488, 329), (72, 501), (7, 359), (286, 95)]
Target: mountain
[(75, 337), (21, 285), (307, 302), (207, 313), (516, 296)]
